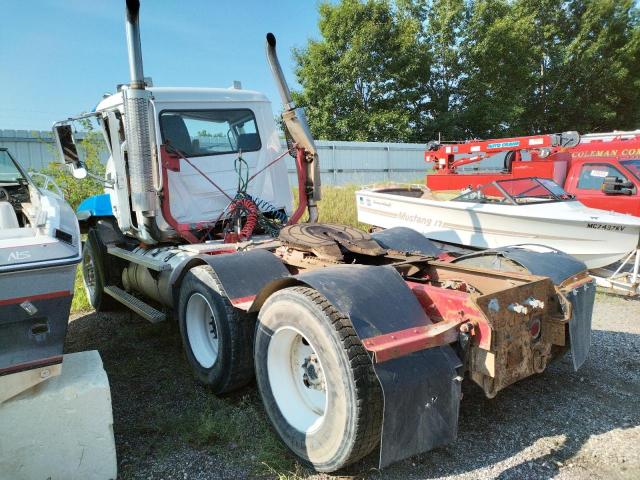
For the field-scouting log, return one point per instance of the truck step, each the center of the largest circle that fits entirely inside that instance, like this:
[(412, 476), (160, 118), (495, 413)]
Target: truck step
[(144, 260), (144, 310)]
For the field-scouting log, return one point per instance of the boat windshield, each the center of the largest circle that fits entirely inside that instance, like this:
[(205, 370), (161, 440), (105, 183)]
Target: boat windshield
[(9, 171), (520, 191)]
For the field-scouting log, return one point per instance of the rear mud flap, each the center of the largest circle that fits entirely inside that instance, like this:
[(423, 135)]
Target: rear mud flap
[(421, 391), (582, 299), (421, 402)]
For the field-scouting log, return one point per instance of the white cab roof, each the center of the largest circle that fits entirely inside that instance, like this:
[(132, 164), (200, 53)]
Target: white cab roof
[(191, 94)]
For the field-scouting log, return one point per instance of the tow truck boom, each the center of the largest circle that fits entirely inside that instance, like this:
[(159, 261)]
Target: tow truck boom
[(443, 154)]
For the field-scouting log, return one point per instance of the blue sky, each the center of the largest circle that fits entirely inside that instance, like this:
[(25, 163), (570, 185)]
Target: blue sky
[(57, 57)]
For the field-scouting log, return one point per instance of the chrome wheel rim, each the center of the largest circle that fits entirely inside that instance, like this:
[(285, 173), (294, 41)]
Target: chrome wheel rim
[(202, 330), (297, 379)]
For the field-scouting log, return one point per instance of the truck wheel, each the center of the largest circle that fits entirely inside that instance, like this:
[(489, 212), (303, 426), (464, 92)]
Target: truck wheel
[(217, 339), (93, 274), (316, 380)]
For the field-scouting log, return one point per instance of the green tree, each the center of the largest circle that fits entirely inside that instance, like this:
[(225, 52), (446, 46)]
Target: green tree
[(412, 70), (444, 24), (537, 66), (499, 67), (603, 66), (364, 79)]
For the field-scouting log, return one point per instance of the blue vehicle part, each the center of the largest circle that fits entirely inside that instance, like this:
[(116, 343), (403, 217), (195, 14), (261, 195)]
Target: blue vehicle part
[(95, 206)]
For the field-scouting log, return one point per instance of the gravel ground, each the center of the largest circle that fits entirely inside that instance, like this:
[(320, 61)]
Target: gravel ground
[(560, 424)]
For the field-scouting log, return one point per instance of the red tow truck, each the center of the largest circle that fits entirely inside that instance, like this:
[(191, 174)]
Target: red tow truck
[(602, 170)]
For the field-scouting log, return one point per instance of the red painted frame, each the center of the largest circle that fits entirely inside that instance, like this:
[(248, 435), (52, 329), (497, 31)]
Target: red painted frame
[(449, 312)]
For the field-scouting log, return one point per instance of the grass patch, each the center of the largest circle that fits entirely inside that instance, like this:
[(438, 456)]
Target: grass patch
[(239, 429), (338, 205), (80, 301)]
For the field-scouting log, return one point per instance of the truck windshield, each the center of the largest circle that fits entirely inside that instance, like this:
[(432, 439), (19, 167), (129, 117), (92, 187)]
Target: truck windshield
[(633, 166), (198, 133), (9, 171)]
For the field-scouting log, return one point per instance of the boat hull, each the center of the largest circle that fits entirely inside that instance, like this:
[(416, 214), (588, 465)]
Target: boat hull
[(597, 241), (34, 313)]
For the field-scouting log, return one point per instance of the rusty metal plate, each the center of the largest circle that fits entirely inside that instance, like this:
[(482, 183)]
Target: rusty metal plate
[(519, 353)]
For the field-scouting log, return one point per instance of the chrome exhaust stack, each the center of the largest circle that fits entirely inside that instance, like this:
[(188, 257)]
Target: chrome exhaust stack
[(137, 111), (134, 46), (296, 124)]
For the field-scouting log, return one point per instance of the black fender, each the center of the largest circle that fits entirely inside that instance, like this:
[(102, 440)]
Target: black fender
[(422, 390), (559, 267), (108, 233), (244, 274), (407, 240), (107, 229), (546, 262), (556, 265)]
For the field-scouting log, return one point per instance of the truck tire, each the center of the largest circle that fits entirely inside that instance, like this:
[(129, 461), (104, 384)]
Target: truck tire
[(94, 276), (217, 339), (316, 380)]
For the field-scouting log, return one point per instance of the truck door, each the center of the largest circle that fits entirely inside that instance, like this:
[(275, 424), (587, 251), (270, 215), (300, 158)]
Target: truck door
[(633, 166), (586, 184)]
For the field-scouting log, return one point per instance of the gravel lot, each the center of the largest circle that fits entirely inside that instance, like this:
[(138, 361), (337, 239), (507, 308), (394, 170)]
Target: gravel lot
[(560, 424)]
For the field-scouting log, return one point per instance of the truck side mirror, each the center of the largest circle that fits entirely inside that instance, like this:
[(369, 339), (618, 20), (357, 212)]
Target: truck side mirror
[(616, 186), (67, 147)]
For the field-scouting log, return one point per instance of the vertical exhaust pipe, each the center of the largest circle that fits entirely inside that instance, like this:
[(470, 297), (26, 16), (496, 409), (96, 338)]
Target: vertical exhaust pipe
[(138, 126), (278, 74), (134, 46), (296, 124)]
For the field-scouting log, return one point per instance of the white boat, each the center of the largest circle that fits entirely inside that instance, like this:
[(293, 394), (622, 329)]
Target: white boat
[(40, 249), (506, 212)]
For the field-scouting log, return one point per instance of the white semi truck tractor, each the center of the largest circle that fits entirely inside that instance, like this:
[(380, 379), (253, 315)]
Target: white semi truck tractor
[(356, 341)]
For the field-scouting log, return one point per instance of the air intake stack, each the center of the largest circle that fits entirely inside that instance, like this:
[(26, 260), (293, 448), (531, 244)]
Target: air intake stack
[(295, 122), (137, 122)]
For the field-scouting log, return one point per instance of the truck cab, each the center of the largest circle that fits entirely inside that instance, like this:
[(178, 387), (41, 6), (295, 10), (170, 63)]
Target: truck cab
[(197, 134), (606, 175)]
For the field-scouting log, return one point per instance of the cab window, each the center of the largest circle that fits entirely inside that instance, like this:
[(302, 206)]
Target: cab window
[(592, 175), (633, 166), (197, 133)]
